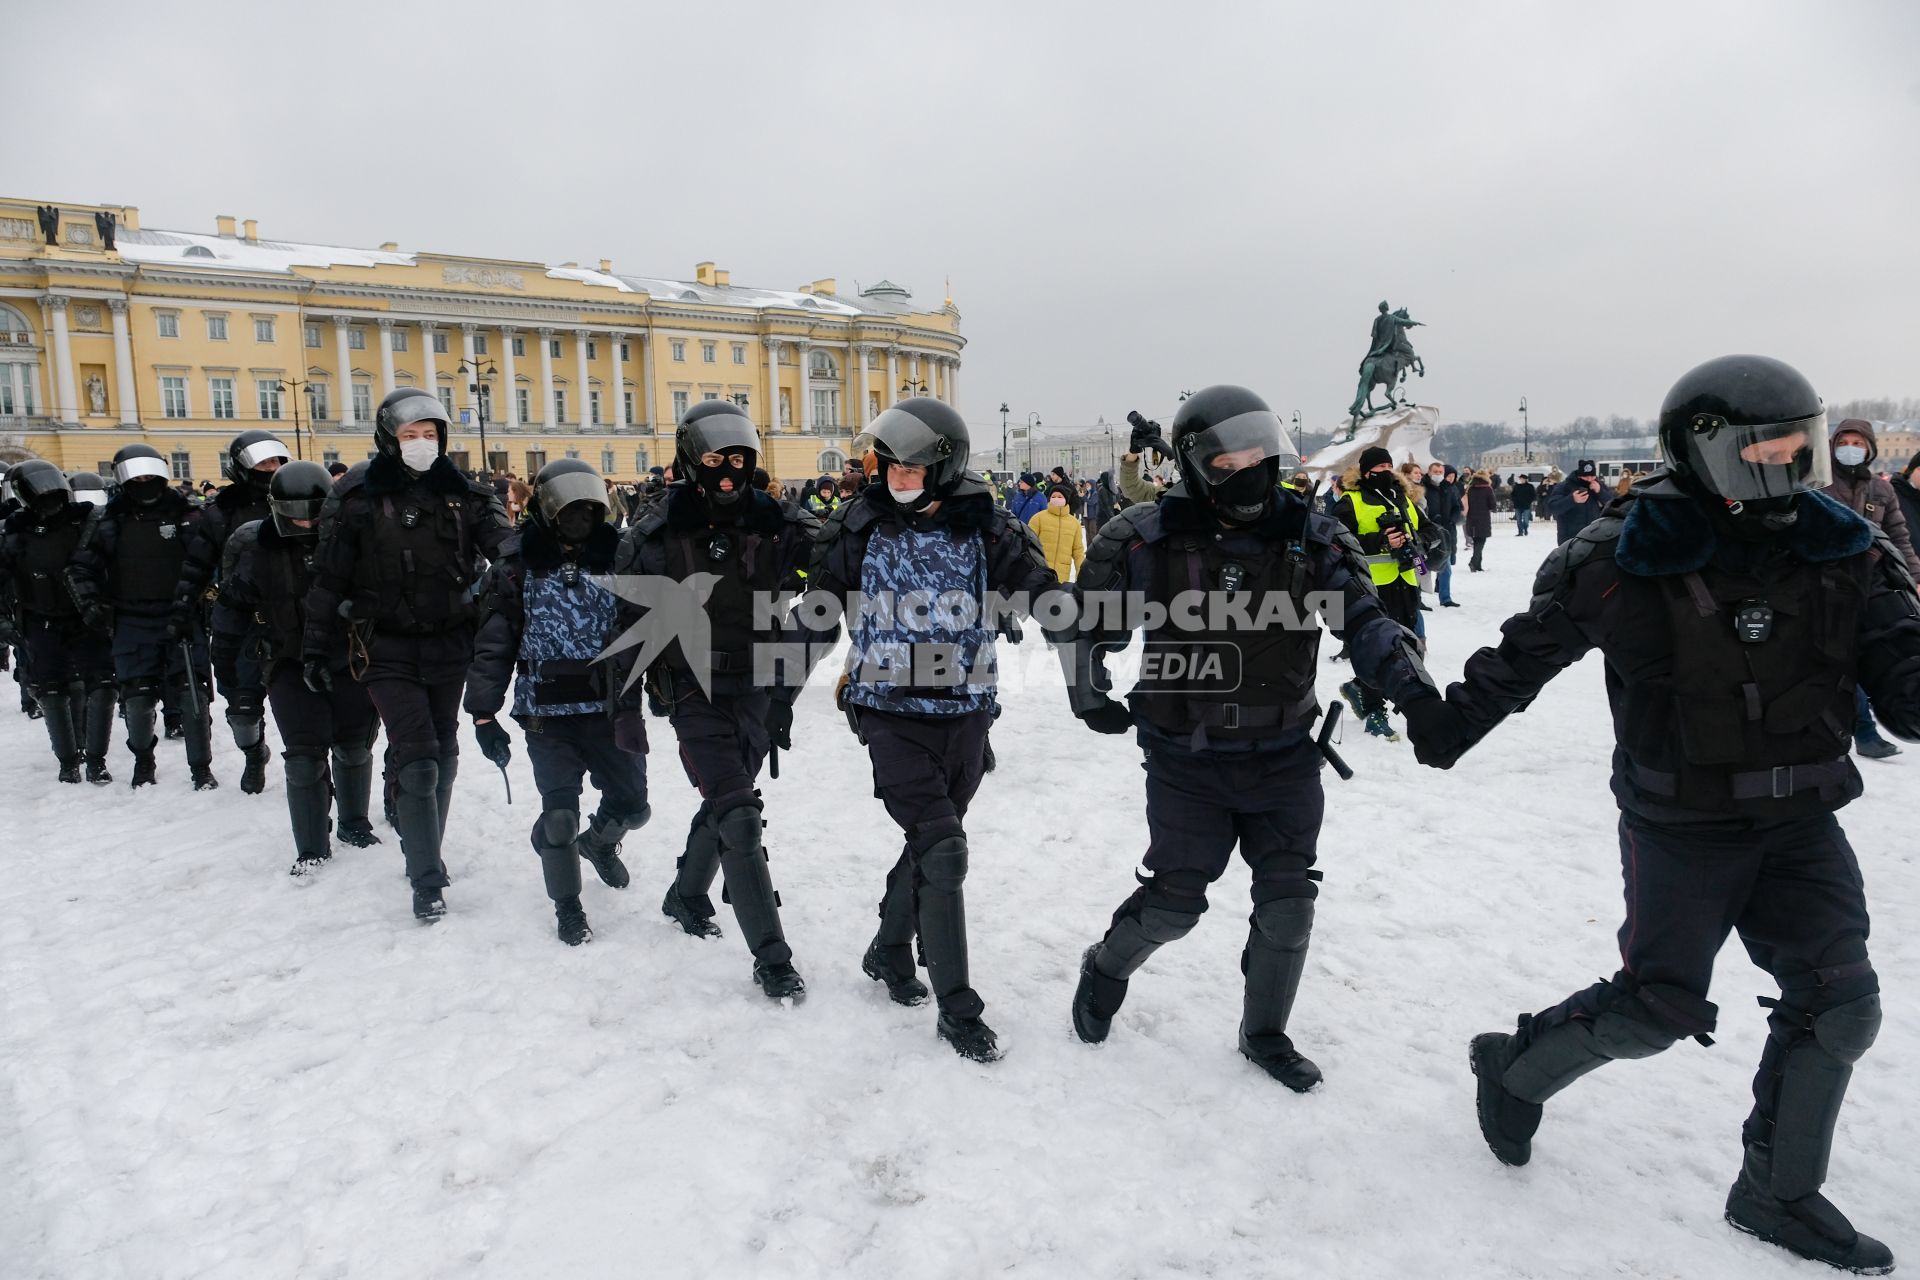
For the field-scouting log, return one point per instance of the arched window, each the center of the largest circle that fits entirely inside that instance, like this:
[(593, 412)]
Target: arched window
[(820, 365), (830, 462)]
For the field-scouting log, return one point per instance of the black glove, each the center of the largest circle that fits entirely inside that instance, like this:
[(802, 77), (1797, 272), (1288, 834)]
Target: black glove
[(1145, 434), (318, 675), (177, 628), (97, 616), (1107, 716), (495, 745), (780, 724), (630, 731), (1438, 732)]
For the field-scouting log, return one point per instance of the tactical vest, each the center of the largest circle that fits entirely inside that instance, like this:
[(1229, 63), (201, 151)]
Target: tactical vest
[(1385, 567), (148, 549), (748, 563), (417, 563), (1709, 723), (916, 648), (566, 626), (282, 572), (44, 553), (1221, 679)]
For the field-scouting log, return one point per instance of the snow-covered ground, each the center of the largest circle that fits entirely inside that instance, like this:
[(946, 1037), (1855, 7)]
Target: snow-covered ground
[(212, 1070)]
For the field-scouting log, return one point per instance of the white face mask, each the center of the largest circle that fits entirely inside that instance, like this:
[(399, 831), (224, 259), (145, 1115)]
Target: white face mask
[(419, 454), (1850, 455), (906, 497)]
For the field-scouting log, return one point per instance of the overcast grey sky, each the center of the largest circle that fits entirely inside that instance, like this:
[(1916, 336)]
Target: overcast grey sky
[(1580, 201)]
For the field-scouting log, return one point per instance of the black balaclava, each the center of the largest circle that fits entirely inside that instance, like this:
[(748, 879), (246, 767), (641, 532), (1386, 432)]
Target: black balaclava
[(576, 522), (146, 490), (724, 505)]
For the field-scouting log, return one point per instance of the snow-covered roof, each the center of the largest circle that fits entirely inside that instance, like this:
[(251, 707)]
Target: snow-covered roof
[(187, 248)]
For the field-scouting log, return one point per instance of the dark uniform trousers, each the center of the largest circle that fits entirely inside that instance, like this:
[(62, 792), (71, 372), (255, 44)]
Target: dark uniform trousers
[(1200, 805), (564, 749)]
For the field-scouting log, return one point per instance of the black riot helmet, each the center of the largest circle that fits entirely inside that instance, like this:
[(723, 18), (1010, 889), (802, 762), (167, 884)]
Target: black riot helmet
[(716, 427), (1748, 430), (923, 432), (88, 487), (42, 488), (1230, 447), (298, 491), (248, 450), (402, 407), (141, 472), (570, 498)]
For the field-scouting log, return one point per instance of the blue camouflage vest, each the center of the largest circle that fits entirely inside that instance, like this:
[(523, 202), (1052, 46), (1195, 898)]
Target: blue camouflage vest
[(920, 643), (565, 627)]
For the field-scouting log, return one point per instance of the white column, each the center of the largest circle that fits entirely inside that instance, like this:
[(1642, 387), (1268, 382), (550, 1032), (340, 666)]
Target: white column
[(773, 385), (582, 409), (646, 407), (802, 352), (343, 374), (428, 369), (66, 407), (123, 364), (953, 382), (386, 355), (509, 403), (471, 378), (547, 422), (616, 407), (858, 418), (892, 394)]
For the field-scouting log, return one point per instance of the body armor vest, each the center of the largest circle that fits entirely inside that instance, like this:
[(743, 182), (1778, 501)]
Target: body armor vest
[(568, 620), (148, 550), (747, 564), (44, 553), (416, 567), (1711, 722), (283, 570), (1225, 677)]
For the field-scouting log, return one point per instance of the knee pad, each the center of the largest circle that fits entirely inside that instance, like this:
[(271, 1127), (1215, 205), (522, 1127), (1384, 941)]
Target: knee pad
[(419, 777), (353, 753), (304, 768), (739, 827), (1848, 1031), (1638, 1020), (944, 866), (141, 687), (1161, 925), (556, 828), (623, 822), (1286, 923)]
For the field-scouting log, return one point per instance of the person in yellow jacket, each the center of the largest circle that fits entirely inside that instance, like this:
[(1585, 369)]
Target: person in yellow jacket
[(1060, 533), (1378, 508)]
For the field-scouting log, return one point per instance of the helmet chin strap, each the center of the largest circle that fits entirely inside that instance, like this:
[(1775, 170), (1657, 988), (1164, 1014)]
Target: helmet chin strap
[(1773, 518)]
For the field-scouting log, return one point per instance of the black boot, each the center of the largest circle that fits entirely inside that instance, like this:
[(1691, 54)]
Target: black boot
[(143, 771), (1275, 957), (352, 788), (97, 770), (309, 804), (246, 723), (1507, 1123), (1145, 922), (253, 778), (889, 957), (428, 905), (56, 708), (600, 844), (1809, 1226), (970, 1037), (203, 779), (571, 921), (687, 899), (743, 862), (940, 910), (554, 839), (197, 728), (97, 732), (417, 808)]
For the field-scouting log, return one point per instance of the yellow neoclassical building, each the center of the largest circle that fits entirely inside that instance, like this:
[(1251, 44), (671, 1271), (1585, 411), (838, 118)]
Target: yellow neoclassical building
[(111, 332)]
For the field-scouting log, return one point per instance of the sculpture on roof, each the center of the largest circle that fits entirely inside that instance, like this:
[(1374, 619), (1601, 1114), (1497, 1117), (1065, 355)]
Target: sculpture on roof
[(105, 223), (1390, 357), (49, 223)]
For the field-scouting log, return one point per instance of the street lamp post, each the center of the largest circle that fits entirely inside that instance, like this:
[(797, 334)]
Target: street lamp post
[(1033, 420), (1299, 435), (914, 387), (1526, 434), (475, 372), (1003, 435), (296, 387)]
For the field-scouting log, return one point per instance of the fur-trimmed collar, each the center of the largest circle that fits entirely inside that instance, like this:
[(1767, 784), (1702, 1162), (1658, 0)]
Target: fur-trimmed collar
[(390, 475), (541, 552), (1285, 519), (1668, 535), (687, 510)]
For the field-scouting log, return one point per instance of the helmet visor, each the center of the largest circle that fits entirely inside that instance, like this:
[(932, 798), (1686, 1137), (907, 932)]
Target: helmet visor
[(1239, 443), (139, 468), (262, 451), (92, 497), (903, 438), (414, 409), (288, 511), (555, 495), (1748, 463)]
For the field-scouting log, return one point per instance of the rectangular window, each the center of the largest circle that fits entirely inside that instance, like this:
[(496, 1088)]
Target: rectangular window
[(536, 459), (263, 328), (679, 349), (216, 328), (826, 408), (679, 405), (739, 353), (522, 400), (313, 336), (173, 397), (330, 457), (559, 406), (440, 342), (710, 395), (593, 407), (317, 401), (446, 403), (356, 339), (593, 350), (220, 396), (519, 346), (268, 390), (362, 402), (606, 462), (553, 347), (623, 352), (398, 337), (708, 352), (626, 407), (182, 462), (640, 462), (479, 344), (573, 454)]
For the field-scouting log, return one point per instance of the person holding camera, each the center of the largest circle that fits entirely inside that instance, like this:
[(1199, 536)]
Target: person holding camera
[(1380, 512), (1577, 501)]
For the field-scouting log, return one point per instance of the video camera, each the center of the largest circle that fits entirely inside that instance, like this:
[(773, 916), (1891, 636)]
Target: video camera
[(1146, 435)]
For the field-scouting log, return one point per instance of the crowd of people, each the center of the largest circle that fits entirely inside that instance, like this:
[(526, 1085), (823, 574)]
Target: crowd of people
[(1749, 601)]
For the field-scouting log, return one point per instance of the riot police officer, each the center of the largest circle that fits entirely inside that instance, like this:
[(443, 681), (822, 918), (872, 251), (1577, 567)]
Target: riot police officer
[(249, 464), (123, 578), (71, 664), (259, 623), (920, 687), (549, 617), (711, 520), (1219, 573), (402, 543), (1737, 609)]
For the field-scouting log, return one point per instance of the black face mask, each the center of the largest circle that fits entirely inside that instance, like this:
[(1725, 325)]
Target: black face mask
[(1758, 519), (1382, 484), (145, 491), (1242, 496), (576, 523), (709, 481)]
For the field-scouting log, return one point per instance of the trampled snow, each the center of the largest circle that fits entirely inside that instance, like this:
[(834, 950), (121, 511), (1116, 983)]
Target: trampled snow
[(213, 1070)]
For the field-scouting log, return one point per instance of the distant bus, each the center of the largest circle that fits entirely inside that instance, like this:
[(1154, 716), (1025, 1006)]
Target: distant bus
[(1612, 468)]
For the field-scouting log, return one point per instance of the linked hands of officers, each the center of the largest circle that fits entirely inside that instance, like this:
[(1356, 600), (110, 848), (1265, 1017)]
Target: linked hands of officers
[(495, 745)]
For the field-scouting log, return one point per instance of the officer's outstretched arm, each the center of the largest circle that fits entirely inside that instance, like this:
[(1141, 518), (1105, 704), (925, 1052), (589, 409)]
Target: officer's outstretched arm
[(1100, 619), (1888, 649), (496, 645)]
